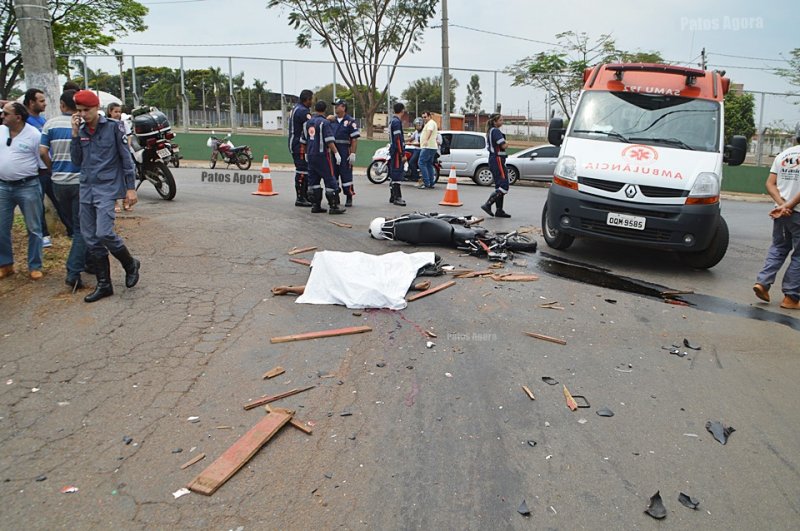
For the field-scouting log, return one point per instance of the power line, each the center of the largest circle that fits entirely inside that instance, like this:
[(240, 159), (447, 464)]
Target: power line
[(502, 35), (172, 2), (205, 45), (750, 58), (746, 67)]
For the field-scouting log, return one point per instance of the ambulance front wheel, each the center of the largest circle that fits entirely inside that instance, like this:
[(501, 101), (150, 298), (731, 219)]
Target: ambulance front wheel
[(554, 237), (714, 253)]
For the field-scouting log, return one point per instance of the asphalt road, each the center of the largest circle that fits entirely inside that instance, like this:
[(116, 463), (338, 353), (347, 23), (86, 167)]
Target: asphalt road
[(437, 438)]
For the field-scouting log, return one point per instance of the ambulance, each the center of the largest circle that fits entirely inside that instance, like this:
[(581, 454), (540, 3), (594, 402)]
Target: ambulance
[(641, 162)]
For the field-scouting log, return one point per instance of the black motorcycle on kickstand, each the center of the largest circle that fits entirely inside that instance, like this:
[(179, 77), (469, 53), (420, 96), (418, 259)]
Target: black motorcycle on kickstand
[(152, 150)]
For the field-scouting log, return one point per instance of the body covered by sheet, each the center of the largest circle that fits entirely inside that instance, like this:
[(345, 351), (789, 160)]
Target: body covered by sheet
[(360, 280)]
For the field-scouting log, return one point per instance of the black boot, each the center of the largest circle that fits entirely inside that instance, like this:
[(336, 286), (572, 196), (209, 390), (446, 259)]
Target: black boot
[(487, 206), (392, 193), (89, 266), (301, 188), (398, 195), (103, 274), (316, 207), (333, 204), (130, 264), (348, 202), (500, 213)]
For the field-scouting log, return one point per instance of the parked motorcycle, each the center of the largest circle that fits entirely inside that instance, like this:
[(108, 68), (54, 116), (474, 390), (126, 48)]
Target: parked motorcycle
[(452, 231), (176, 157), (242, 156), (151, 148), (378, 169)]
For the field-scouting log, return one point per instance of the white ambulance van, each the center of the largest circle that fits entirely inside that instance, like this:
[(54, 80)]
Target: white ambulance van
[(641, 162)]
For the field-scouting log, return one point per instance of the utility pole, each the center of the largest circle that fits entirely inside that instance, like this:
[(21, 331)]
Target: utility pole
[(38, 51), (703, 64), (445, 70)]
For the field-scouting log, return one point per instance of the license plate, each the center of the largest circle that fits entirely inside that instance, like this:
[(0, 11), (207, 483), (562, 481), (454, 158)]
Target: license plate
[(625, 221), (164, 153)]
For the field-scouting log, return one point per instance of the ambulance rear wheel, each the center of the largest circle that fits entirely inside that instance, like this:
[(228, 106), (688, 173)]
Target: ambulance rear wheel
[(554, 237), (713, 255)]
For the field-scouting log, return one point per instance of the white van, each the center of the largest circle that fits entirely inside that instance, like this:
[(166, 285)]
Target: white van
[(641, 162)]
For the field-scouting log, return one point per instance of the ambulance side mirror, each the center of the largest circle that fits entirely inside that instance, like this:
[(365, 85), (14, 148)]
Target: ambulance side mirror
[(555, 133), (736, 151)]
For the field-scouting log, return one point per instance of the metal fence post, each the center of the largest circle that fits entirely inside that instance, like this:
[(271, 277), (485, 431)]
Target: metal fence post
[(133, 82), (184, 100), (232, 98), (283, 104)]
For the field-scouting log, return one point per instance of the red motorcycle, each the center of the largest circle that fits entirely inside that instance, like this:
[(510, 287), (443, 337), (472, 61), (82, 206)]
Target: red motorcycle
[(242, 156)]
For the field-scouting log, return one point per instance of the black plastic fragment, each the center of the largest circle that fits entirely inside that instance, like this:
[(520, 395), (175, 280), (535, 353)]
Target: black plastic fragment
[(656, 508), (127, 439), (41, 478), (523, 509), (328, 475), (177, 450), (581, 401), (605, 412), (531, 443), (380, 364), (688, 501), (720, 432), (549, 381), (689, 345), (611, 301), (345, 414)]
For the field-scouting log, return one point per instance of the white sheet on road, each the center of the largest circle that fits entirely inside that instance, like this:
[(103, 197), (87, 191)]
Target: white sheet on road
[(360, 280)]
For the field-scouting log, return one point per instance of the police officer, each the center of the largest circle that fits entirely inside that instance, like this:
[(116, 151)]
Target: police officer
[(346, 134), (320, 148), (99, 148), (397, 154), (496, 144), (299, 115)]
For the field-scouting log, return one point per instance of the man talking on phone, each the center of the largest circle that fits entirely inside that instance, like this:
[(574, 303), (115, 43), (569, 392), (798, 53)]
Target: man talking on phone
[(107, 174)]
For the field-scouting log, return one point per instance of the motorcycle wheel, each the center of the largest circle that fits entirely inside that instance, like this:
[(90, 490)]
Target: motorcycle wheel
[(377, 172), (212, 162), (176, 161), (521, 243), (158, 173), (243, 162)]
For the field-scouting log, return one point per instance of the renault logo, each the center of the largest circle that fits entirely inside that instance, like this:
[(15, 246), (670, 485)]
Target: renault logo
[(630, 191)]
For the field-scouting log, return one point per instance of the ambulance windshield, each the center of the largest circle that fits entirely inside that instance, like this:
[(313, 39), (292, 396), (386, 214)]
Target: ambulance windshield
[(674, 121)]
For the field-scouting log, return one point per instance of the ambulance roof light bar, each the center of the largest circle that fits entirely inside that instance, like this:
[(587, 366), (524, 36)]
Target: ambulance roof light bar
[(691, 73)]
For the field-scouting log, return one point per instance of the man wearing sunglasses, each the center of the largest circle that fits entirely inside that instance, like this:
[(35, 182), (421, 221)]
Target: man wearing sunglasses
[(19, 186)]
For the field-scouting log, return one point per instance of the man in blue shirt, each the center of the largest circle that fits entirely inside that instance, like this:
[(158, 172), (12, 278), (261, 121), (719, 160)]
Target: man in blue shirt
[(346, 134), (55, 152), (321, 148), (299, 115), (397, 154), (99, 148)]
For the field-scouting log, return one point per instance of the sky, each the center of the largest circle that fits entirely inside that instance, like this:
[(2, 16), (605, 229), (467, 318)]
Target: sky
[(744, 38)]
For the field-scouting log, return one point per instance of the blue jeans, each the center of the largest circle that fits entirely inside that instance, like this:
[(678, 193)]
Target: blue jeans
[(28, 196), (68, 196), (426, 166), (413, 163), (785, 240)]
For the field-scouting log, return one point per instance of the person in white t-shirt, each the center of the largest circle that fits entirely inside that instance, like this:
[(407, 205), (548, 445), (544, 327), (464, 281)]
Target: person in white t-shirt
[(783, 186), (429, 146)]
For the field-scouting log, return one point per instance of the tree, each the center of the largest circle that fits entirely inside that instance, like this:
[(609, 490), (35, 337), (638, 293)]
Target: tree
[(560, 72), (361, 35), (474, 96), (425, 94), (259, 90), (792, 74), (79, 26), (739, 115)]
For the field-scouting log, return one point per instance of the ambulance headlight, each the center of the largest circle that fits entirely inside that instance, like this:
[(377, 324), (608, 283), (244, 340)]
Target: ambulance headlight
[(706, 185), (567, 168)]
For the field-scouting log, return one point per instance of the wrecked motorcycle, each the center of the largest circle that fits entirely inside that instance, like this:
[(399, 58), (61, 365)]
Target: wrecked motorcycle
[(452, 231)]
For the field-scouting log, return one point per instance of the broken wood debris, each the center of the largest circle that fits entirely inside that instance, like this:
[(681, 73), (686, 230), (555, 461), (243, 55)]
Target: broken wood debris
[(300, 425), (272, 373), (343, 225), (301, 261), (324, 333), (431, 291), (193, 460), (295, 250), (421, 286), (546, 338), (473, 274), (514, 277), (235, 457), (528, 392), (429, 333), (283, 290), (267, 399), (570, 401)]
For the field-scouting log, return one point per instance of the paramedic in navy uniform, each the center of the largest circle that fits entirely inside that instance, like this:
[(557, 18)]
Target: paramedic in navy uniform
[(101, 151), (346, 134), (496, 144), (299, 115), (320, 148), (397, 154)]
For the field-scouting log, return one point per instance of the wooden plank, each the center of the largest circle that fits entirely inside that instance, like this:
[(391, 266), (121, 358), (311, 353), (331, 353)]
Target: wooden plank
[(515, 277), (267, 399), (193, 460), (546, 338), (473, 274), (528, 392), (323, 333), (272, 373), (343, 225), (434, 289), (235, 457), (301, 261), (570, 401), (299, 424), (301, 250)]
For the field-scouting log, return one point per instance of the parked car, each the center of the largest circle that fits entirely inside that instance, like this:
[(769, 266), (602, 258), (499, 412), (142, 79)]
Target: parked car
[(532, 164), (463, 150)]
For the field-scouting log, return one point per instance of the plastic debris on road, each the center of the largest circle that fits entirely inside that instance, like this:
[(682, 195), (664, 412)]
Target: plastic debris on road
[(549, 381), (689, 345), (656, 508), (605, 412), (688, 501), (69, 489), (720, 432), (523, 509), (180, 492)]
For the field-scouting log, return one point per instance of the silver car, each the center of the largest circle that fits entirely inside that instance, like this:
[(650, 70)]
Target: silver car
[(463, 150), (534, 164)]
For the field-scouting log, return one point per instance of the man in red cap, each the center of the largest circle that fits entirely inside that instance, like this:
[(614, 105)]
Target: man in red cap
[(107, 174)]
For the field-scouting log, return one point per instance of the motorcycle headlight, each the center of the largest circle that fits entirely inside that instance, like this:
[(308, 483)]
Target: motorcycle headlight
[(705, 189), (567, 168)]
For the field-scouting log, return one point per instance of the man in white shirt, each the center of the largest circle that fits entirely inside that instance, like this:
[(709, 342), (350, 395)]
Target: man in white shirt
[(19, 186), (429, 146), (783, 186)]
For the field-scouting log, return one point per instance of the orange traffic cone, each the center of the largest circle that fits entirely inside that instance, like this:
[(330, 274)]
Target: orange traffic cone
[(265, 184), (451, 192)]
